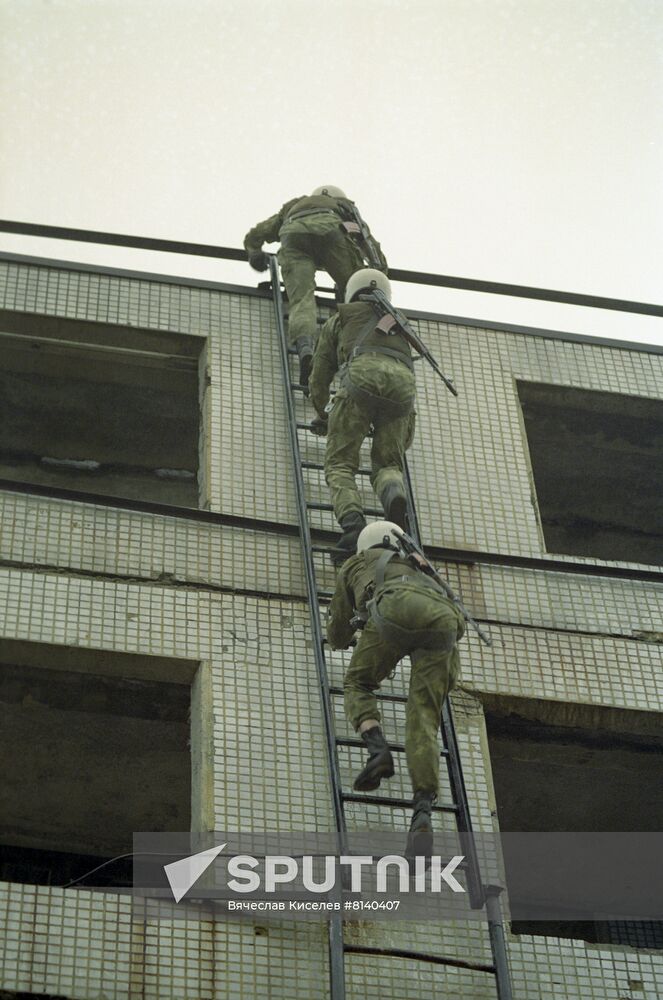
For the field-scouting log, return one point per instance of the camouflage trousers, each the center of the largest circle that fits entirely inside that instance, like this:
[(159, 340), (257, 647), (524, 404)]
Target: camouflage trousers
[(308, 246), (433, 673), (350, 423)]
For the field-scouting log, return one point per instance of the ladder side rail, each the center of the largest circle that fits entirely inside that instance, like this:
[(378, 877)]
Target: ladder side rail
[(336, 949), (498, 944), (463, 816)]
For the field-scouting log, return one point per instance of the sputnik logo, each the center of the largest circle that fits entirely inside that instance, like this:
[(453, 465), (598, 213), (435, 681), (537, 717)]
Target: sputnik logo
[(183, 874), (280, 870)]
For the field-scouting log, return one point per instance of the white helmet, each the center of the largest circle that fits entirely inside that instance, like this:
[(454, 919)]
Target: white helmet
[(374, 534), (332, 191), (364, 280)]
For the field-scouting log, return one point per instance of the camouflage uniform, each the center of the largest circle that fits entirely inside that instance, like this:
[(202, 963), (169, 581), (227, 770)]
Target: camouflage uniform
[(314, 240), (411, 604), (376, 390)]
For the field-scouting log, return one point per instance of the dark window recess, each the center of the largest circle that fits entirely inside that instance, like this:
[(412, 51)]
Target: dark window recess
[(12, 995), (99, 418), (551, 779), (43, 867), (92, 749), (596, 460)]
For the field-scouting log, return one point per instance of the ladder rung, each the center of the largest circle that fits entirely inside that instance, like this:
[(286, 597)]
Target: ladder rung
[(296, 386), (320, 468), (316, 505), (347, 741), (399, 698), (268, 285), (325, 550), (383, 800), (325, 595), (420, 956)]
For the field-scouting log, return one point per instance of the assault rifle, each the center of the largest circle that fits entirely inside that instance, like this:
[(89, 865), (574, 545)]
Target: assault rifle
[(394, 317), (416, 555), (357, 228)]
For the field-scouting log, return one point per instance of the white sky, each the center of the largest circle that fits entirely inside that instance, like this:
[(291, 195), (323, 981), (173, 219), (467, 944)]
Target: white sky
[(507, 140)]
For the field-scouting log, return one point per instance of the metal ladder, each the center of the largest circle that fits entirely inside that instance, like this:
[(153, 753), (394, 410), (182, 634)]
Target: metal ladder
[(479, 894)]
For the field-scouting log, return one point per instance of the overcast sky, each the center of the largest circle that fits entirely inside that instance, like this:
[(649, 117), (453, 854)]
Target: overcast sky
[(507, 140)]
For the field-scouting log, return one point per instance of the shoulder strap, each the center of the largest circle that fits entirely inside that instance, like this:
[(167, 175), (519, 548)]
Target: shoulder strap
[(364, 335), (381, 566)]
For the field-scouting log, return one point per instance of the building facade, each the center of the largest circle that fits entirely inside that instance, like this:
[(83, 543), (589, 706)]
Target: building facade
[(538, 485)]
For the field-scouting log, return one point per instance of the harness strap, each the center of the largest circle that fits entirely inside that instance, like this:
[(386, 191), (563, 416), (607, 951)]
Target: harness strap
[(381, 566)]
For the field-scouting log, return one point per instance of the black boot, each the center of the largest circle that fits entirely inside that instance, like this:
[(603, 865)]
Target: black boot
[(352, 524), (304, 347), (394, 504), (420, 837), (380, 763)]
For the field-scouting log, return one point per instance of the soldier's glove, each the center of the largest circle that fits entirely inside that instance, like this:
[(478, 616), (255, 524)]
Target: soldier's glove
[(259, 260), (318, 426)]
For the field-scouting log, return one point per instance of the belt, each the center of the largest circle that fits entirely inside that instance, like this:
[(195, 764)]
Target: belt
[(311, 211), (399, 355)]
